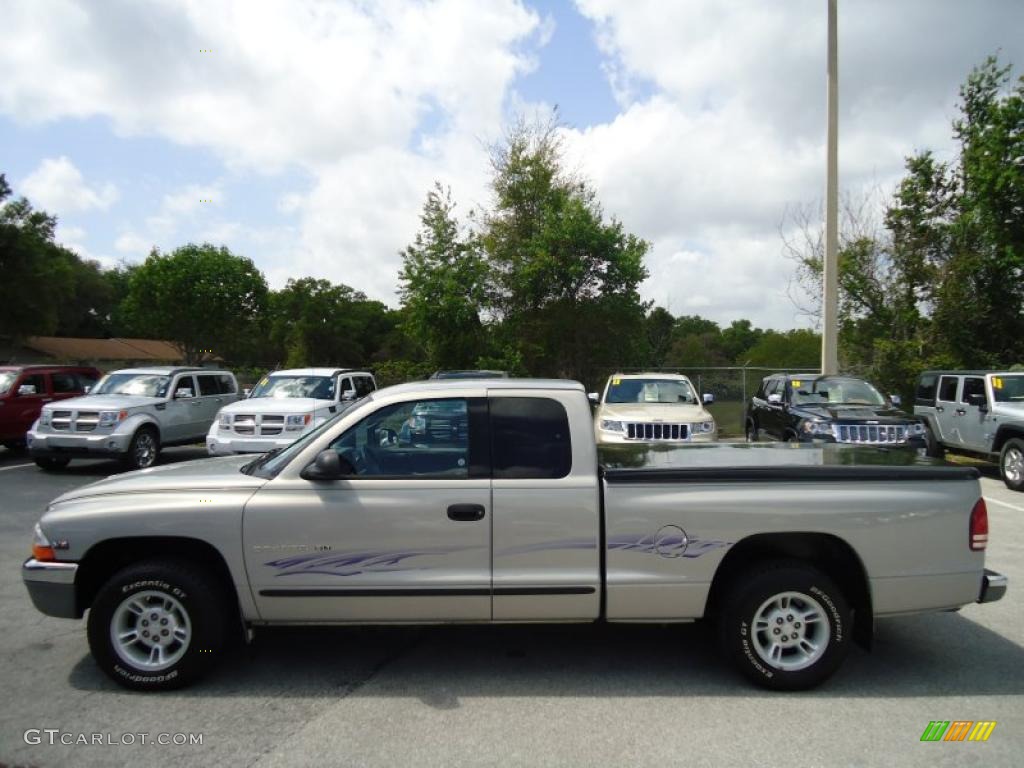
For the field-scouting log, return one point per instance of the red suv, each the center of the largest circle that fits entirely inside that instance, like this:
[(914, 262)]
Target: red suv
[(24, 389)]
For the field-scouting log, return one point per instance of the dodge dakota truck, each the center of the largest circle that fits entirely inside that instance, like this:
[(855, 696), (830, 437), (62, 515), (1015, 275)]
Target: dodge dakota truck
[(792, 550)]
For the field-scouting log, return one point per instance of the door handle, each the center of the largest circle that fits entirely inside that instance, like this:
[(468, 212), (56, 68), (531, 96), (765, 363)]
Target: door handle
[(961, 412), (466, 512), (196, 402), (940, 409)]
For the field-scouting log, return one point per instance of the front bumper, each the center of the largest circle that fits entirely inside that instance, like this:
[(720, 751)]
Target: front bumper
[(50, 444), (993, 587), (605, 437), (217, 445), (51, 586)]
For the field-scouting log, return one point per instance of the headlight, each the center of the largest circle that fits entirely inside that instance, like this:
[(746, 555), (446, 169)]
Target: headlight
[(297, 421), (703, 427), (109, 418), (917, 428), (45, 416), (820, 428), (611, 426), (224, 421)]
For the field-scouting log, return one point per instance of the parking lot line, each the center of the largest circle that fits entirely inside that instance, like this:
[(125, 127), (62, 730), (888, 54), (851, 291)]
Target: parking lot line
[(1004, 504), (16, 466)]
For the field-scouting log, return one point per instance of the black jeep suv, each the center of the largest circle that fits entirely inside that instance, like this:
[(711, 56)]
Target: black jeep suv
[(833, 409)]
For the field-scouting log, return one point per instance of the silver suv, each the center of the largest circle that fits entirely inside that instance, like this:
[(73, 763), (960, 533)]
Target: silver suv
[(130, 414), (978, 413)]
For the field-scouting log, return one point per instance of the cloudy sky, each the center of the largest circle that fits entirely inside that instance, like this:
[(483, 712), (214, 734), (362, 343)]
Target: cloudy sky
[(305, 134)]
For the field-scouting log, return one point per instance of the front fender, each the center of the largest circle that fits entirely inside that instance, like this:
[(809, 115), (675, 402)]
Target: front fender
[(134, 421)]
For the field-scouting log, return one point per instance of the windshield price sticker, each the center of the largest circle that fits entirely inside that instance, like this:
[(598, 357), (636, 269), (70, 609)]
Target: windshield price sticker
[(997, 382)]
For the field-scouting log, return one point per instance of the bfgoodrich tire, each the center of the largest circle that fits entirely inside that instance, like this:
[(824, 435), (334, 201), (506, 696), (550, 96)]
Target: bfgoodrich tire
[(1011, 464), (786, 626), (158, 625)]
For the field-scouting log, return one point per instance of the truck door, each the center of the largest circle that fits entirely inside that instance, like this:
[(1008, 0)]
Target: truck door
[(407, 537), (546, 509), (974, 422), (211, 400), (945, 410)]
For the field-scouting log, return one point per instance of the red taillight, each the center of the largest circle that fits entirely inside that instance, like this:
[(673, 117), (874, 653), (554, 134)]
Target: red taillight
[(979, 526)]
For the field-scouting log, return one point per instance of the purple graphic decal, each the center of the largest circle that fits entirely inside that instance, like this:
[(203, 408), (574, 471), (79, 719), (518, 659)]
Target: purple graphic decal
[(355, 563)]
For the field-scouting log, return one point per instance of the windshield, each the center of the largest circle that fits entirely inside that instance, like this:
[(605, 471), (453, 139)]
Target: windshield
[(317, 387), (269, 464), (140, 384), (829, 391), (650, 391), (1006, 389), (6, 380)]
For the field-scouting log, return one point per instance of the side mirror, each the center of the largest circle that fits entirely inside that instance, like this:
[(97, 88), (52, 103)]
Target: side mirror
[(87, 389), (182, 394), (775, 399), (708, 398), (896, 401), (327, 466), (246, 392), (348, 394), (27, 389), (979, 400), (594, 397)]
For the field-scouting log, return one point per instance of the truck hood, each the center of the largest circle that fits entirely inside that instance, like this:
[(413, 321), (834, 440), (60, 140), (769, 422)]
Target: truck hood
[(648, 412), (201, 474), (103, 403), (853, 413), (276, 405)]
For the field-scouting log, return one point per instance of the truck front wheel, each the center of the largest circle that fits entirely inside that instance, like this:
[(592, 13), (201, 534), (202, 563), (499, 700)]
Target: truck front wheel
[(157, 625), (786, 626), (1011, 464)]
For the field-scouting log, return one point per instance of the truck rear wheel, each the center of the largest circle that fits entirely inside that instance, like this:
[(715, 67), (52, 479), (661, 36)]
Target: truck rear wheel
[(1011, 464), (157, 625), (786, 626)]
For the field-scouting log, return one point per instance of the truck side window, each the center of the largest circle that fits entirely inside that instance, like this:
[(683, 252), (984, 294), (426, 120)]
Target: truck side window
[(925, 394), (529, 438), (36, 380), (947, 389), (227, 384), (972, 386), (425, 439)]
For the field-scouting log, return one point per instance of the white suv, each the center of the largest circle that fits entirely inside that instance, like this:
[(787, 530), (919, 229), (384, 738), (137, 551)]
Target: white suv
[(652, 408), (284, 405)]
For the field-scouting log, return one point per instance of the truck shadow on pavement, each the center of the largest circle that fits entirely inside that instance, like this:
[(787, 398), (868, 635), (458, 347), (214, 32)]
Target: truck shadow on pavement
[(932, 656)]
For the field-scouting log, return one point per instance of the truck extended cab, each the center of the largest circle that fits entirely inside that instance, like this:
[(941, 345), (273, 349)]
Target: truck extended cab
[(506, 516)]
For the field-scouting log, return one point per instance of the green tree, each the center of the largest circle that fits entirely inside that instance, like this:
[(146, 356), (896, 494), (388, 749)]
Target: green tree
[(36, 274), (563, 282), (443, 286), (799, 348), (202, 298), (316, 322)]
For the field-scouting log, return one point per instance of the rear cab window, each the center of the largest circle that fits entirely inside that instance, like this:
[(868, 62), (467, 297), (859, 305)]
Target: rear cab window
[(529, 438), (973, 385)]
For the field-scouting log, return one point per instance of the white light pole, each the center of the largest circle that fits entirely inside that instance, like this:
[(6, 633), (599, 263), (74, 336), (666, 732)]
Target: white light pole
[(830, 298)]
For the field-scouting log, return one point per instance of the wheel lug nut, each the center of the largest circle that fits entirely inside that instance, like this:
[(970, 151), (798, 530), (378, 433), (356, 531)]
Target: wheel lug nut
[(797, 625), (145, 623), (164, 632), (152, 616), (776, 630), (145, 633), (163, 622), (789, 618), (778, 620)]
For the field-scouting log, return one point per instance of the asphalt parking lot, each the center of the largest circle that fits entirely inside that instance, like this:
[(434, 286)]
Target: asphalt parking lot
[(448, 696)]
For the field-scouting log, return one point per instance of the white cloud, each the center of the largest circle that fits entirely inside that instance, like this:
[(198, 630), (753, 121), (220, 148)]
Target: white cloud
[(74, 238), (132, 244), (192, 198), (723, 118), (58, 187)]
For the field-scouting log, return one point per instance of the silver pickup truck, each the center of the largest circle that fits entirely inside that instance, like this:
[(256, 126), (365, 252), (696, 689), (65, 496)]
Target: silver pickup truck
[(483, 501)]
